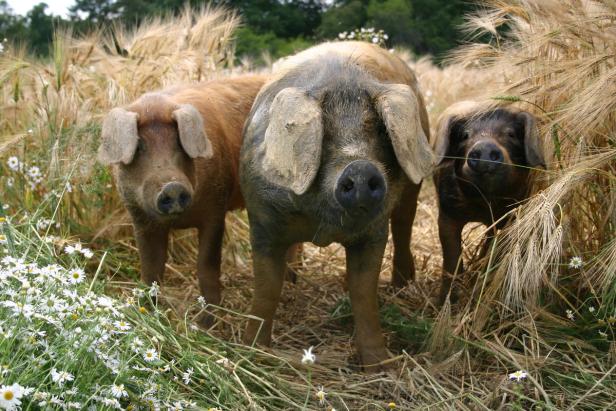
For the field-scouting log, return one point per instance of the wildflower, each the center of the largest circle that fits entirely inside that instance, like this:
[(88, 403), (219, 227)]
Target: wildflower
[(602, 334), (391, 405), (570, 315), (61, 377), (518, 375), (5, 206), (150, 355), (118, 391), (10, 396), (68, 187), (13, 163), (143, 310), (34, 172), (591, 309), (154, 289), (186, 376), (122, 325), (201, 301), (3, 239), (321, 395), (308, 357), (76, 276), (87, 253), (575, 262)]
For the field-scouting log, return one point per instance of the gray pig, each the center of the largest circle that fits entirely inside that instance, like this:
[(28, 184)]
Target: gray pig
[(335, 145)]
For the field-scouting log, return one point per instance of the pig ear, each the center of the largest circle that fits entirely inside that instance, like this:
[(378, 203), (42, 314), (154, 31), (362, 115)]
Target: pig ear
[(119, 137), (293, 139), (399, 110), (532, 142), (193, 139)]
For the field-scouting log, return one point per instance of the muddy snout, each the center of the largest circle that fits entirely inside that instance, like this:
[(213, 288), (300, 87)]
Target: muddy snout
[(360, 188), (173, 198), (485, 157)]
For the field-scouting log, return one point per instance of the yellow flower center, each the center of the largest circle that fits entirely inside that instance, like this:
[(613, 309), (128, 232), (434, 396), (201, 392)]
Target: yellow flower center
[(75, 275), (143, 310), (8, 395)]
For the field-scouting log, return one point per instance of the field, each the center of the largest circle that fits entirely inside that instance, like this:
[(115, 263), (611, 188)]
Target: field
[(77, 329)]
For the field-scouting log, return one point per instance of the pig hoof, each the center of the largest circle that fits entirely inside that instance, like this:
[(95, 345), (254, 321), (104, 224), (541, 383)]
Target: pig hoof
[(290, 275), (206, 320), (375, 361)]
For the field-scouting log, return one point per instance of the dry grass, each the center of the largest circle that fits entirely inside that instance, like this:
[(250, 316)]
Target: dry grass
[(557, 59)]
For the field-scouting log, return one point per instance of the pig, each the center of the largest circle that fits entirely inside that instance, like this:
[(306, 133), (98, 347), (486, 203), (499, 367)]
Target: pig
[(485, 157), (174, 156), (335, 144)]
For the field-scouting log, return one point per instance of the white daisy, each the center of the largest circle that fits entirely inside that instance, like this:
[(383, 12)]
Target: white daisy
[(518, 375), (13, 163), (10, 396), (3, 239), (575, 262), (122, 325), (118, 391), (150, 355), (61, 377), (76, 275), (321, 395), (186, 376), (570, 315), (308, 357)]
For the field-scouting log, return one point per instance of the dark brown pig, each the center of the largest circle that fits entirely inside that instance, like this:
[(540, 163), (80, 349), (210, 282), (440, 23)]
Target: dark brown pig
[(175, 161), (335, 144), (484, 161)]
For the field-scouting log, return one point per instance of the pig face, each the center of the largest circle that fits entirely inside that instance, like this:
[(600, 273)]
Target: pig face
[(345, 147), (493, 151), (152, 146)]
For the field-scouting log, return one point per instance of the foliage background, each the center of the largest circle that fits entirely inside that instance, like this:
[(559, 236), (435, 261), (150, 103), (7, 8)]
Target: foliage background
[(272, 26)]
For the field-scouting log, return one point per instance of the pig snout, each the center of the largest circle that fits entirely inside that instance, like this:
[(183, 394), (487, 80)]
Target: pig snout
[(485, 157), (360, 188), (173, 198)]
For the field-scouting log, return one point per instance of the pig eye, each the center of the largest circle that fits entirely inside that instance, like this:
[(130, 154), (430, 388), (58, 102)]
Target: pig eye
[(464, 136)]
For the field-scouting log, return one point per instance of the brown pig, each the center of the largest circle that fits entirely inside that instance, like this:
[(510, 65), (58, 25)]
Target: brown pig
[(175, 162), (485, 156), (335, 144)]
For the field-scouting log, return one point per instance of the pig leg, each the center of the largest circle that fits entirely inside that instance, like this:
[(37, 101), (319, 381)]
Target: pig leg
[(208, 261), (152, 244), (402, 218), (363, 268), (294, 261), (450, 234), (269, 267)]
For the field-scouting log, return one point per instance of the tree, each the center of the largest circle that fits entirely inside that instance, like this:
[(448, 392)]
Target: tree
[(40, 29), (342, 17), (12, 27)]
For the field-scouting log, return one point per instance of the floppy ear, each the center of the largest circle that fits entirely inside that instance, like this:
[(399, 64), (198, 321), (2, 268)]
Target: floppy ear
[(293, 139), (399, 110), (119, 137), (532, 143), (193, 139)]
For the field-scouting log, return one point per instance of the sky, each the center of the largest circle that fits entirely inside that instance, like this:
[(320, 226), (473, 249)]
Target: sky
[(56, 7)]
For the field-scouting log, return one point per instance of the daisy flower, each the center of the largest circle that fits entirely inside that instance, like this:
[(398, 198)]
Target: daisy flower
[(118, 391), (321, 395), (518, 375), (308, 357), (186, 376), (61, 377), (122, 325), (10, 396), (3, 239), (76, 276), (150, 355), (575, 262), (570, 315), (13, 163)]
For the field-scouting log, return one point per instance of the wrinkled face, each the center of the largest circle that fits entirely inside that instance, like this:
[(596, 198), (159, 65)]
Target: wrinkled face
[(160, 178), (490, 152), (359, 177)]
